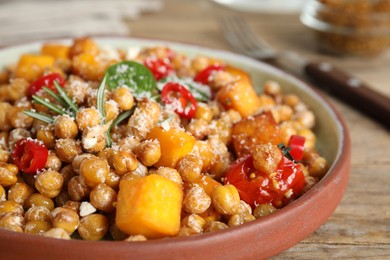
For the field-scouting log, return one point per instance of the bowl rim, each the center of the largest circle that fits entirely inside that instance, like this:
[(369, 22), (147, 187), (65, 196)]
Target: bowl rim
[(334, 176)]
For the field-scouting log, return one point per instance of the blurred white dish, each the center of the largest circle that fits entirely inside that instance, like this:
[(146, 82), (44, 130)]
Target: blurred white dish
[(274, 6)]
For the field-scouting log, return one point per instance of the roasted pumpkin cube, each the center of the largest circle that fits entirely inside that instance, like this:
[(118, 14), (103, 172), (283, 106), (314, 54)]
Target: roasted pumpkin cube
[(239, 95), (88, 67), (57, 51), (258, 129), (149, 206), (83, 45), (174, 142), (32, 66)]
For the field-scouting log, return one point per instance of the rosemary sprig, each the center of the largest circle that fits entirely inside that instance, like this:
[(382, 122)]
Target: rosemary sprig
[(65, 105), (73, 106), (54, 95), (100, 108), (49, 105), (286, 151), (122, 117), (39, 116)]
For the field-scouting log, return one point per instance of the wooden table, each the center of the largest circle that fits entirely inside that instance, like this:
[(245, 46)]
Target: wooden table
[(360, 227)]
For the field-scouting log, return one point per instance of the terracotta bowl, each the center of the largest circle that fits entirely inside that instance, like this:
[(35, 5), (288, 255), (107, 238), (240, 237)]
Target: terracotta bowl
[(261, 238)]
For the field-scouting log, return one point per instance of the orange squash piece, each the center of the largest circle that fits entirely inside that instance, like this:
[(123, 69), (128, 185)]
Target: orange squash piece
[(149, 206), (32, 66), (57, 51), (88, 67), (207, 183), (83, 45), (239, 95), (175, 143), (259, 129)]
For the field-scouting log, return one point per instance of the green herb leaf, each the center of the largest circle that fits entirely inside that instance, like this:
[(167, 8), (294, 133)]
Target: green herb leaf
[(133, 75), (73, 106), (39, 116), (100, 108), (286, 151), (55, 96), (49, 105), (122, 117)]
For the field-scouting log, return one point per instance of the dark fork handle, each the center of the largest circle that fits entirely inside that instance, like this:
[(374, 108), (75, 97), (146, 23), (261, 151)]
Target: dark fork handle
[(351, 90)]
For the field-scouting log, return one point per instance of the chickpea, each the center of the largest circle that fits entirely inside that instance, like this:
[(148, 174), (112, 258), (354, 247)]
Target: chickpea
[(46, 135), (226, 199), (37, 199), (4, 154), (103, 197), (286, 130), (62, 198), (195, 222), (2, 194), (203, 111), (17, 118), (263, 210), (318, 167), (67, 149), (124, 162), (79, 159), (307, 119), (65, 127), (68, 173), (93, 227), (37, 227), (145, 116), (266, 158), (77, 190), (16, 134), (149, 152), (19, 192), (112, 110), (53, 162), (49, 183), (272, 88), (199, 128), (94, 138), (38, 213), (136, 238), (73, 205), (190, 167), (113, 180), (185, 232), (7, 178), (66, 219), (129, 144), (5, 123), (310, 138), (56, 233), (93, 171), (87, 117), (235, 220), (12, 221), (76, 88), (196, 200), (10, 206), (129, 176), (170, 174), (123, 97), (291, 100), (215, 226)]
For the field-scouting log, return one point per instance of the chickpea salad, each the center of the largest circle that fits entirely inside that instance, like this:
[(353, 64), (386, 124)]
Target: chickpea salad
[(145, 143)]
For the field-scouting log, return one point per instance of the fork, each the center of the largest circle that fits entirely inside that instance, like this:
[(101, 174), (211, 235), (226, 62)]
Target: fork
[(340, 83)]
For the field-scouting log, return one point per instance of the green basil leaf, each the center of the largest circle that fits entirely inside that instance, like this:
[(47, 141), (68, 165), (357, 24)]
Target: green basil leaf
[(133, 75)]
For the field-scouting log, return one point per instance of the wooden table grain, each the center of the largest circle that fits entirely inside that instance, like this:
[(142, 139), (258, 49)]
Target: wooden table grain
[(360, 226)]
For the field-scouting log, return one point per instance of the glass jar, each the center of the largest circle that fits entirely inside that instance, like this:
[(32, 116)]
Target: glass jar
[(358, 27)]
